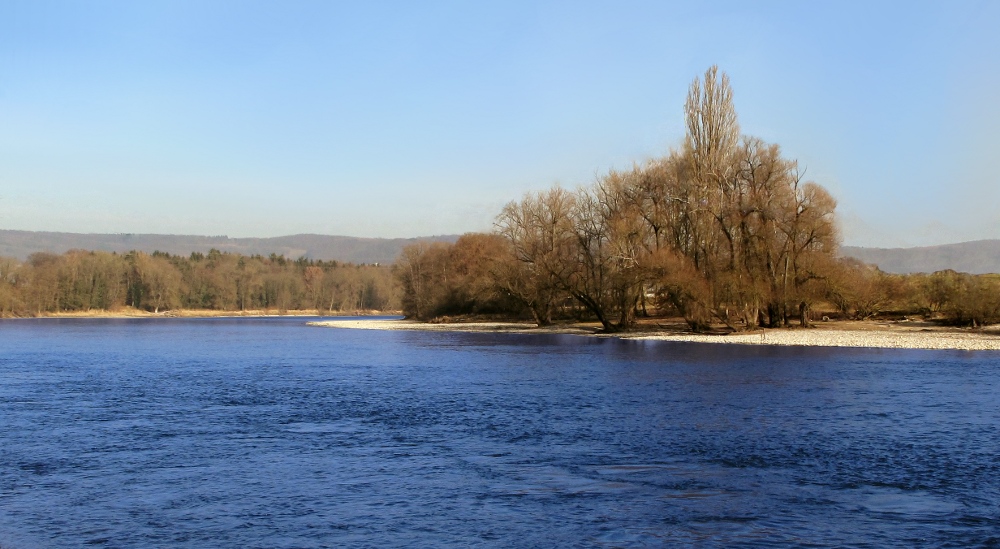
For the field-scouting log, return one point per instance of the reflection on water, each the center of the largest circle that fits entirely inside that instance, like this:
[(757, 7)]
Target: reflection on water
[(267, 433)]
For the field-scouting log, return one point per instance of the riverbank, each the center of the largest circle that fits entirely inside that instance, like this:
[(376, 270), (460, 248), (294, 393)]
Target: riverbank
[(205, 313), (888, 335)]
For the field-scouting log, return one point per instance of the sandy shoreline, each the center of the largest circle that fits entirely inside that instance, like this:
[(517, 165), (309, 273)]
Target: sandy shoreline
[(876, 336), (204, 313)]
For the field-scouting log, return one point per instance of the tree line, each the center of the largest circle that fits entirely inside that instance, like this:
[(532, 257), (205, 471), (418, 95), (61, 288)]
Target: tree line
[(87, 280), (724, 230)]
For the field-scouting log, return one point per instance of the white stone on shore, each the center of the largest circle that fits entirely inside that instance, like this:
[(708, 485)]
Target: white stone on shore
[(795, 337), (844, 338)]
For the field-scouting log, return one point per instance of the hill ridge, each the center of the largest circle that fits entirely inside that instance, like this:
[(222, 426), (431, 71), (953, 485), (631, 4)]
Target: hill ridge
[(975, 257), (350, 249)]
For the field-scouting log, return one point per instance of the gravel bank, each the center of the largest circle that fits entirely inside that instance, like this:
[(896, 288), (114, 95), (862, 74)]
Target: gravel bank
[(846, 338), (888, 339)]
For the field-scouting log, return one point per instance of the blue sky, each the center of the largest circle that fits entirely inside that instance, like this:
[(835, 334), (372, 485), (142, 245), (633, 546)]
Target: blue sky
[(418, 118)]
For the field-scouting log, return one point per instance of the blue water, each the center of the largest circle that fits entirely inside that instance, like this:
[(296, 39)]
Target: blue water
[(268, 433)]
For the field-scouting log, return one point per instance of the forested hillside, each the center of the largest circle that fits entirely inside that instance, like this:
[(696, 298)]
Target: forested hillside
[(21, 244)]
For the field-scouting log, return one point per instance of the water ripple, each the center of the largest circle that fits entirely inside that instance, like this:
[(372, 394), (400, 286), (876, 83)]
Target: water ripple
[(265, 433)]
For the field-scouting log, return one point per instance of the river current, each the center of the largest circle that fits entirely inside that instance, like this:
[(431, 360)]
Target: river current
[(241, 433)]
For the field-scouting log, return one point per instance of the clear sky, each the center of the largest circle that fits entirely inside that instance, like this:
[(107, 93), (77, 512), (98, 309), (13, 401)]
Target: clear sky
[(416, 118)]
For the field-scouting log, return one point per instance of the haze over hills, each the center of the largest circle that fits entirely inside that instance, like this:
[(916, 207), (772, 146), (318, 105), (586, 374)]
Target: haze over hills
[(977, 257), (21, 244)]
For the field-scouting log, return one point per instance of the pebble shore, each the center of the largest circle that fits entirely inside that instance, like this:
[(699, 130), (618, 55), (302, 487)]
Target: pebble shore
[(818, 337), (846, 338)]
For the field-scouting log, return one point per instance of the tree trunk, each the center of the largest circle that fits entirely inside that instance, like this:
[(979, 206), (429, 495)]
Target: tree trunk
[(542, 315)]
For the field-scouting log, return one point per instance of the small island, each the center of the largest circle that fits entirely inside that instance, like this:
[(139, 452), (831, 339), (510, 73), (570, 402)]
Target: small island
[(723, 233)]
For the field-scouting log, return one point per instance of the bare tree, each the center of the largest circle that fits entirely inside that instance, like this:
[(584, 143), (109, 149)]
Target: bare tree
[(713, 130), (540, 231), (158, 282)]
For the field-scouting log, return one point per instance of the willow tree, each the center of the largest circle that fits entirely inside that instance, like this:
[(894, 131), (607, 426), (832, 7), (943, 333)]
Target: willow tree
[(746, 236), (542, 258), (614, 246), (723, 229)]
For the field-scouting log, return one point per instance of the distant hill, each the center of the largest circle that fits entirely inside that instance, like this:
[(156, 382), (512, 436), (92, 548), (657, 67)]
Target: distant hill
[(21, 244), (977, 257)]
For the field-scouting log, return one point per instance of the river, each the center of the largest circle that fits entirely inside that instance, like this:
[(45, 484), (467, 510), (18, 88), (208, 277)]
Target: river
[(267, 433)]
